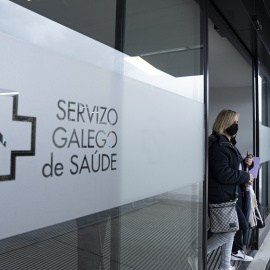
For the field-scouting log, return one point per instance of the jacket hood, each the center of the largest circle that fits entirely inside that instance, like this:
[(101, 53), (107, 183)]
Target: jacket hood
[(221, 139)]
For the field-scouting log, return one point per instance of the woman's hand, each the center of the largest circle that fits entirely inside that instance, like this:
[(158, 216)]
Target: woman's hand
[(248, 160), (251, 179)]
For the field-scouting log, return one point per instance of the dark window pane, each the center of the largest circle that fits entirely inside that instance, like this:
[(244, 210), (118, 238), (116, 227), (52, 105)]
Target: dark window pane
[(95, 19), (166, 34)]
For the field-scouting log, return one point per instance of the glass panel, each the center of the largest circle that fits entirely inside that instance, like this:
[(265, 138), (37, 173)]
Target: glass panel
[(170, 48), (264, 186), (172, 44), (100, 146), (264, 86), (25, 25), (264, 142), (264, 195), (146, 234), (264, 113), (95, 19)]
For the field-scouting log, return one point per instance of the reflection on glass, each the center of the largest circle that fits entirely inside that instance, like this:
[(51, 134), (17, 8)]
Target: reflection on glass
[(264, 185), (156, 233), (264, 99), (264, 192), (4, 92), (264, 142), (260, 98), (143, 65), (95, 19), (92, 231), (171, 44), (21, 23)]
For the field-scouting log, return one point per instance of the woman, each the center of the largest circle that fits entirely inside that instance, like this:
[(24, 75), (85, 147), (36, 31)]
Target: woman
[(225, 176)]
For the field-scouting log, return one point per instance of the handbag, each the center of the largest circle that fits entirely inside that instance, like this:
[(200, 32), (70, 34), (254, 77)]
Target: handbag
[(223, 217)]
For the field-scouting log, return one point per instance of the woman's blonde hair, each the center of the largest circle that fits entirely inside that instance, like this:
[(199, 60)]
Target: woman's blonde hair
[(224, 119)]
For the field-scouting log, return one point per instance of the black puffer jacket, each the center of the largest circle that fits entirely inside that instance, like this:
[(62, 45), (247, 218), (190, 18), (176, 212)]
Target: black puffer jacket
[(224, 174)]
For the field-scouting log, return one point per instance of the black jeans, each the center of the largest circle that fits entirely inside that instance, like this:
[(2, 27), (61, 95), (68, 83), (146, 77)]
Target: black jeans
[(243, 225)]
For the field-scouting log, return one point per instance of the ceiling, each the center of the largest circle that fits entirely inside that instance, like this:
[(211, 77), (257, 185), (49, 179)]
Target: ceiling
[(246, 24)]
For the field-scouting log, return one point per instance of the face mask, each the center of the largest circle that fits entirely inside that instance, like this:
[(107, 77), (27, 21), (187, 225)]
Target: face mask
[(232, 130)]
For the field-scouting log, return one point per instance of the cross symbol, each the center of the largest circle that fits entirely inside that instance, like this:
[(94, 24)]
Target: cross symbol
[(24, 122)]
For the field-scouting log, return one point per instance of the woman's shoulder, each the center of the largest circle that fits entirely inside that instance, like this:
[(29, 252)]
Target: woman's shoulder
[(218, 146), (213, 139), (217, 140)]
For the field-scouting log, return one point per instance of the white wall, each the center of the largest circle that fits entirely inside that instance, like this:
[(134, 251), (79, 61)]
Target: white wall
[(237, 99)]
